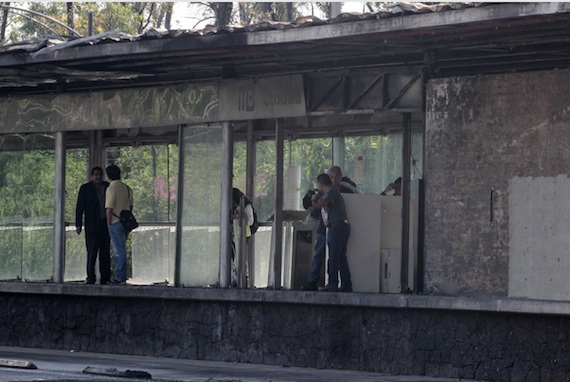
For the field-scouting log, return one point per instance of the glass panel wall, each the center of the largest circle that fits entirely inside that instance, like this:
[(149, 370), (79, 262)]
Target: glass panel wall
[(151, 171), (200, 236), (38, 207), (304, 160), (375, 161), (11, 218), (27, 165), (76, 174)]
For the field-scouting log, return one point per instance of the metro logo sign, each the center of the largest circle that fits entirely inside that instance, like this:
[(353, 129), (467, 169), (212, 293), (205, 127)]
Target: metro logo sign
[(266, 97)]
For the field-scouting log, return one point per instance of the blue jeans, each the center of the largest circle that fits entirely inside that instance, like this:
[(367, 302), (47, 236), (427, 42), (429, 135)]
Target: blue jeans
[(337, 238), (318, 258), (119, 240)]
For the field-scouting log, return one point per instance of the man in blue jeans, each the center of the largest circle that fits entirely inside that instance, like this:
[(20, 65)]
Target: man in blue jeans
[(334, 217), (118, 197), (344, 185)]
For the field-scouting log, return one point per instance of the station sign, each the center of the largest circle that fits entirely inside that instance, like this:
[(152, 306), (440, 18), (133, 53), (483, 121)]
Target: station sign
[(258, 98)]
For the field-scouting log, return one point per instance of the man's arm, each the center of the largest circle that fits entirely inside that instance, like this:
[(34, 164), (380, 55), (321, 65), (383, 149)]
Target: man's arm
[(79, 209), (109, 213), (109, 202), (249, 214), (321, 203), (131, 198)]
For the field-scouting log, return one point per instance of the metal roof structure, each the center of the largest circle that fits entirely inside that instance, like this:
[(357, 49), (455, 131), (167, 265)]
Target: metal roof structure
[(444, 40)]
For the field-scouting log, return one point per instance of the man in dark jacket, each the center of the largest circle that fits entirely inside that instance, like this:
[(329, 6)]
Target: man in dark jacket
[(91, 203)]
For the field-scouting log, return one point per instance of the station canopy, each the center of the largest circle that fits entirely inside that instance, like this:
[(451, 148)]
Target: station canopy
[(442, 40)]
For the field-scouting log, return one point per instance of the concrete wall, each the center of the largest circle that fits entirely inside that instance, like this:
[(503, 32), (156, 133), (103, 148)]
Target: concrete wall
[(491, 346), (486, 132)]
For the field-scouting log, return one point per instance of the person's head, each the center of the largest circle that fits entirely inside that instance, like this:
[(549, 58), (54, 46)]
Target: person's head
[(236, 196), (97, 174), (324, 183), (397, 186), (113, 172), (335, 173)]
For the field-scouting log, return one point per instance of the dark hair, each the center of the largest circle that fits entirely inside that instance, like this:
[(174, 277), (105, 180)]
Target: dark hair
[(324, 179), (96, 168), (236, 196), (113, 172), (399, 180), (336, 170)]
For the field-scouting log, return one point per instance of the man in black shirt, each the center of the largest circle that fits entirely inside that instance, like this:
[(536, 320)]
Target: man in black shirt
[(91, 203)]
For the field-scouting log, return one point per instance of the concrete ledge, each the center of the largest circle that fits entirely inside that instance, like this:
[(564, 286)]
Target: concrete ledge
[(368, 300), (17, 364), (112, 372)]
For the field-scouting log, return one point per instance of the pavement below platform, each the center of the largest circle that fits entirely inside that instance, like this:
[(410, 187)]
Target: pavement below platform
[(169, 369)]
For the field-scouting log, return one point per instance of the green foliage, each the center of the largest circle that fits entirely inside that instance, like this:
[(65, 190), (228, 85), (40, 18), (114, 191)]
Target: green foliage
[(23, 28), (132, 18), (27, 164), (151, 171), (379, 6), (119, 16), (251, 13)]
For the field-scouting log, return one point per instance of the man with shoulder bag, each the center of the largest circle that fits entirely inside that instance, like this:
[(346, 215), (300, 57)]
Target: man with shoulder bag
[(119, 198)]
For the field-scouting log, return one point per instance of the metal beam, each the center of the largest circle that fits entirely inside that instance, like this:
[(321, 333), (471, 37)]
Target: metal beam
[(403, 91), (406, 174), (250, 191), (179, 206), (59, 209), (278, 216), (226, 207)]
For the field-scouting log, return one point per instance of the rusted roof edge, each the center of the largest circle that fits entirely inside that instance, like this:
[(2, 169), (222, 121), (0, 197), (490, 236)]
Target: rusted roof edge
[(111, 45)]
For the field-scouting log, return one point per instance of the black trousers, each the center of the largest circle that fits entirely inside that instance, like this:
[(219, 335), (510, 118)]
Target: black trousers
[(98, 243)]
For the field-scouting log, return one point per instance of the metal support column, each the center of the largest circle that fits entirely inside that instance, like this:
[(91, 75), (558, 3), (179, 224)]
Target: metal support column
[(278, 217), (240, 243), (179, 204), (406, 174), (226, 207), (59, 210), (338, 152), (250, 192), (96, 151)]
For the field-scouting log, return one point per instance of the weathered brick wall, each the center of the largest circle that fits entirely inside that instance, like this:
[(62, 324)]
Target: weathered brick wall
[(486, 346), (480, 132)]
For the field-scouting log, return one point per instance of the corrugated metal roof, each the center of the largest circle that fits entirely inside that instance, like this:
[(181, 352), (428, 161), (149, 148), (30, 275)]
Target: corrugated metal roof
[(441, 40), (400, 9)]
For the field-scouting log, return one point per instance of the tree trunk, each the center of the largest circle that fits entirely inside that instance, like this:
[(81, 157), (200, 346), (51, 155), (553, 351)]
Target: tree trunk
[(242, 15), (70, 19), (289, 11), (168, 16), (223, 13), (4, 23)]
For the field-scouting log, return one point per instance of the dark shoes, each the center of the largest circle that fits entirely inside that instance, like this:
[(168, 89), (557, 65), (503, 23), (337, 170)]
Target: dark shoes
[(328, 288), (332, 288), (309, 286)]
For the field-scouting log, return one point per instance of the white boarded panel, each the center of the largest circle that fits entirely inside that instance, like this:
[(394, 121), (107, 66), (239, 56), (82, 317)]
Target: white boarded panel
[(539, 237), (364, 249)]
